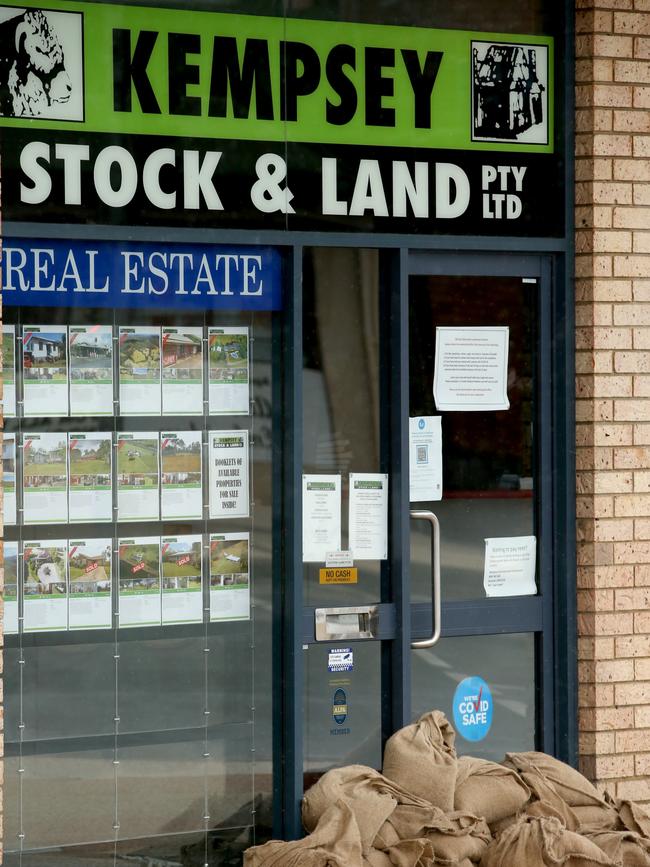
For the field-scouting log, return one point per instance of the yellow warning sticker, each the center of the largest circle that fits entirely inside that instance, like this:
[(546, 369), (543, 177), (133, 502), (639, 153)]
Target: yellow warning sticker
[(339, 575)]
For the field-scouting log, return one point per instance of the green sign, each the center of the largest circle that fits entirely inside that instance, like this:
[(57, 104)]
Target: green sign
[(105, 68)]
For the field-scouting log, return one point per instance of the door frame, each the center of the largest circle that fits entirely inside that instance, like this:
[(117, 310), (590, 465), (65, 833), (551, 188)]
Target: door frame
[(525, 614), (551, 615)]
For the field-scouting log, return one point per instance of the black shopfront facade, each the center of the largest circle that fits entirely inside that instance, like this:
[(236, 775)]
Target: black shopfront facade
[(246, 251)]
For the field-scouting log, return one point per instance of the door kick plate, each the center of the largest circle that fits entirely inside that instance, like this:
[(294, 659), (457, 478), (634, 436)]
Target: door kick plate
[(343, 624)]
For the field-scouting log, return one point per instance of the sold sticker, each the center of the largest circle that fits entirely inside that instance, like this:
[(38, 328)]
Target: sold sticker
[(473, 707)]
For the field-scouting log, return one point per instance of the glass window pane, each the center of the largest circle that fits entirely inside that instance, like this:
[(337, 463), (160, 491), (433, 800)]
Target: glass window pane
[(489, 459), (506, 663)]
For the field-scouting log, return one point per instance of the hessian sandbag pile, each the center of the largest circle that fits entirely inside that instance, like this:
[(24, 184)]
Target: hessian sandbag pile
[(430, 807)]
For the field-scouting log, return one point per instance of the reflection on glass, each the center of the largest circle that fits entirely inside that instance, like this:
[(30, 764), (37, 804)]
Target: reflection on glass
[(506, 663), (342, 710), (119, 756), (341, 390), (489, 458)]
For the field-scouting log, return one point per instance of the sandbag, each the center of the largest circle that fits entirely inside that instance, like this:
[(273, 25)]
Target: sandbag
[(370, 796), (631, 815), (543, 842), (375, 858), (422, 758), (603, 818), (499, 826), (574, 789), (623, 847), (411, 853), (454, 836), (489, 790), (545, 800), (336, 842)]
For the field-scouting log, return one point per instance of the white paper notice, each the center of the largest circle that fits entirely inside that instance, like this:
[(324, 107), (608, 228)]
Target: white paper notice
[(471, 368), (45, 590), (228, 455), (89, 582), (139, 581), (91, 370), (181, 479), (45, 478), (368, 516), (9, 370), (10, 594), (138, 496), (229, 576), (9, 477), (90, 494), (425, 458), (45, 370), (321, 517), (228, 365), (510, 566), (182, 587), (139, 370), (182, 371)]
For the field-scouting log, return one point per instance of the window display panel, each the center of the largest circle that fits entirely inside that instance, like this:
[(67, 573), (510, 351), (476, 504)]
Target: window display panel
[(142, 538)]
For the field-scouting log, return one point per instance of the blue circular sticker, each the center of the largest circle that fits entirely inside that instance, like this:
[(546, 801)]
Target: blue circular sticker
[(473, 707)]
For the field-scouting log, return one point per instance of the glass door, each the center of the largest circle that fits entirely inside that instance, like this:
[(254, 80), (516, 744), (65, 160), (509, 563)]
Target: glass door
[(480, 541)]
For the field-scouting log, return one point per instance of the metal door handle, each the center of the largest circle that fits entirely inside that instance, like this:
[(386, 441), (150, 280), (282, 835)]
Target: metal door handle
[(435, 579)]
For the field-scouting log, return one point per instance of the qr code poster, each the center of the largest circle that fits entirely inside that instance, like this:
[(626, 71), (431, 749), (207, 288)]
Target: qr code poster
[(422, 454), (510, 93)]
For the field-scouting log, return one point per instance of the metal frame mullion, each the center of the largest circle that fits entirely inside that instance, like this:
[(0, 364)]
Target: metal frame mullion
[(288, 680), (545, 482), (395, 654)]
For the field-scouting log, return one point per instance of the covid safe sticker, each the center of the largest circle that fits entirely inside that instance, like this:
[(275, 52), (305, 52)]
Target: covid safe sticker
[(473, 706)]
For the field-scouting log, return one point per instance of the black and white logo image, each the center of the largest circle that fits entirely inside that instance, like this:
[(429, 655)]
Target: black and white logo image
[(41, 64), (509, 93)]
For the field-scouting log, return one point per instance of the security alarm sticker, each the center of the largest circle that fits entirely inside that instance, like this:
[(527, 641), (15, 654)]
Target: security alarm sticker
[(339, 707), (473, 707), (340, 659)]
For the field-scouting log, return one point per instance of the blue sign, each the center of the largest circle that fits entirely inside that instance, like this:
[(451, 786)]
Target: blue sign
[(340, 707), (55, 273), (473, 706)]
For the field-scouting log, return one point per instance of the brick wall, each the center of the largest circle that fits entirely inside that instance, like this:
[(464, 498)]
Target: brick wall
[(613, 391)]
